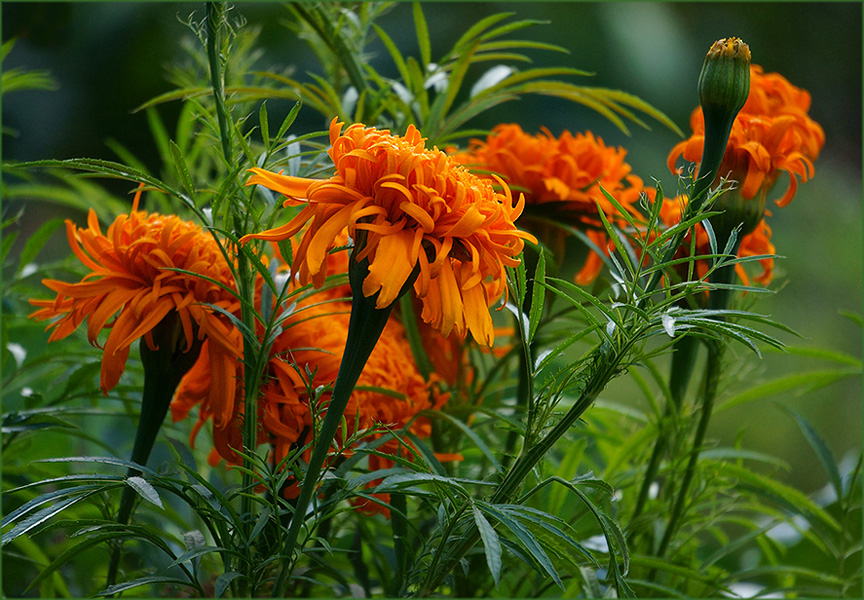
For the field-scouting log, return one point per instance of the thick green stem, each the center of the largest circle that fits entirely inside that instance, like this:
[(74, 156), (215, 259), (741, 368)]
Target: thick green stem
[(164, 367), (524, 390), (364, 328), (246, 279)]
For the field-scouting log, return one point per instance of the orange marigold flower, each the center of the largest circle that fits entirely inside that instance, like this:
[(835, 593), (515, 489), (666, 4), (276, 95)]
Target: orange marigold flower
[(570, 168), (569, 171), (756, 243), (419, 211), (772, 134), (132, 285), (314, 338)]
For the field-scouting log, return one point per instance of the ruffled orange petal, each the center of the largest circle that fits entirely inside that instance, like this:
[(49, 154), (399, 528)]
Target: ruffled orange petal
[(293, 187), (395, 257)]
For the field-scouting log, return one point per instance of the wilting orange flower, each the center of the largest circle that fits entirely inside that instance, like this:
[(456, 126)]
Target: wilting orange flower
[(132, 286), (756, 243), (569, 171), (314, 338), (420, 212), (772, 134)]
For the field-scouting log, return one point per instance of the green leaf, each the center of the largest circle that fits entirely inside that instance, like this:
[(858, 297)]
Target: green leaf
[(22, 423), (708, 578), (422, 34), (395, 54), (475, 30), (577, 292), (824, 354), (554, 533), (802, 382), (820, 448), (6, 247), (491, 544), (788, 497), (525, 538), (194, 553), (6, 48), (60, 494), (40, 517), (262, 123), (471, 434), (263, 518), (128, 585), (37, 241), (224, 581), (401, 481), (143, 488), (289, 120), (538, 295)]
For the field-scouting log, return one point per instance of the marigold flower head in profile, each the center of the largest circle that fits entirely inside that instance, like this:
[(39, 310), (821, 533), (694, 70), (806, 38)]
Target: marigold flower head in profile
[(413, 212), (772, 134), (567, 174), (133, 285)]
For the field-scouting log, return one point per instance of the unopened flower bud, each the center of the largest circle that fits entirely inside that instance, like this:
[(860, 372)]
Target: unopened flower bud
[(724, 82), (724, 85)]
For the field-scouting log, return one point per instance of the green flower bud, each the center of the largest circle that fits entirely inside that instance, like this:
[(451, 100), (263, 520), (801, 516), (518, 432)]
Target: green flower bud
[(724, 85), (724, 82)]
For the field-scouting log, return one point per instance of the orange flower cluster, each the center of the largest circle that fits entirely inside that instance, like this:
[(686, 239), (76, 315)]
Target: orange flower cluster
[(133, 284), (772, 134), (422, 215), (390, 391), (569, 171)]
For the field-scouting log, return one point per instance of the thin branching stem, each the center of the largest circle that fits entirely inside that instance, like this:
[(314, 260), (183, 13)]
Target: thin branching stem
[(718, 300), (682, 365), (607, 360)]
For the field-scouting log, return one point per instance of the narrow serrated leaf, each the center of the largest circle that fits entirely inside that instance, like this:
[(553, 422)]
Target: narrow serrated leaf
[(526, 539), (786, 496), (223, 582), (128, 585), (196, 553), (38, 518), (491, 544), (538, 295), (820, 448), (264, 125), (143, 488)]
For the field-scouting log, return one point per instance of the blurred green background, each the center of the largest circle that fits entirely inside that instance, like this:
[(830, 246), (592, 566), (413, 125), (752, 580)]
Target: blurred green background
[(109, 58)]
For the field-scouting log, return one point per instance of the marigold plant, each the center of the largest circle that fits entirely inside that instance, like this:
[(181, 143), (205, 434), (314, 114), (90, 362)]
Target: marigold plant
[(384, 378)]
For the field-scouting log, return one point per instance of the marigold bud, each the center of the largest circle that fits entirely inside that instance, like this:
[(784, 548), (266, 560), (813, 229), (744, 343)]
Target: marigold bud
[(724, 82)]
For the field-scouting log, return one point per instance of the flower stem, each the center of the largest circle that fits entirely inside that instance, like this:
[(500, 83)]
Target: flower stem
[(364, 328), (164, 367)]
